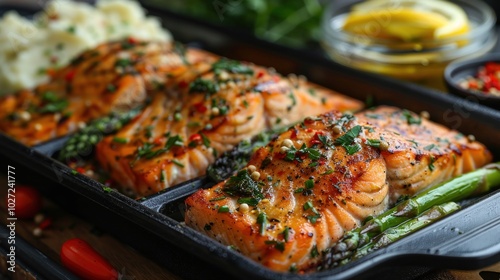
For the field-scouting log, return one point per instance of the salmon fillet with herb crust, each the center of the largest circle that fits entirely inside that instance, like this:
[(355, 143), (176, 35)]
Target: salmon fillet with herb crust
[(113, 77), (186, 126), (323, 177)]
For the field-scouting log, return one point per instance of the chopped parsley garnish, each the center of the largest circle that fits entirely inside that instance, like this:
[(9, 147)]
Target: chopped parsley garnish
[(286, 234), (243, 185), (174, 141), (343, 120), (278, 245), (203, 85), (328, 172), (123, 62), (294, 154), (178, 163), (410, 118), (312, 218), (373, 143), (54, 107), (218, 198), (311, 92), (262, 222), (223, 209), (414, 142), (431, 164), (429, 147), (314, 251), (373, 116), (52, 103), (177, 116), (206, 141), (248, 200), (347, 140), (71, 29), (49, 96), (326, 141), (292, 97), (162, 176), (309, 184), (146, 151), (308, 205), (231, 66), (149, 131), (120, 140), (110, 88)]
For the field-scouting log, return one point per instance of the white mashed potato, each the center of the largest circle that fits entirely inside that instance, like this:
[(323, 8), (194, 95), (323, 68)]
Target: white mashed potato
[(31, 49)]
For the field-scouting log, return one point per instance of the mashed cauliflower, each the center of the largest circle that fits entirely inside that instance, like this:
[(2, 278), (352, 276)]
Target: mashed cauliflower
[(31, 49)]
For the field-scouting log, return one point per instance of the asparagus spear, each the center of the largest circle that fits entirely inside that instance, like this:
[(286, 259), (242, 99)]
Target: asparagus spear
[(396, 233), (473, 183), (82, 143), (237, 158)]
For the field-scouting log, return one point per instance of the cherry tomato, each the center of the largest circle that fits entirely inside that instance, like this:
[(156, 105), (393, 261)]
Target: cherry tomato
[(81, 259), (28, 202)]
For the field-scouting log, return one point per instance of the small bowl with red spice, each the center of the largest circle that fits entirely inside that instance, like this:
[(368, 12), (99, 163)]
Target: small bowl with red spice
[(477, 80)]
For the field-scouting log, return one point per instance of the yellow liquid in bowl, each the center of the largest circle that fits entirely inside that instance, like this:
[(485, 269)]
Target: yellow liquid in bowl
[(403, 38)]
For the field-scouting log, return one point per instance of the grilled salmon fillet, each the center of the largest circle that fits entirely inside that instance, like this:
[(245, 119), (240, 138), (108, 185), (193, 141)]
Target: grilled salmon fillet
[(185, 127), (299, 194), (113, 77)]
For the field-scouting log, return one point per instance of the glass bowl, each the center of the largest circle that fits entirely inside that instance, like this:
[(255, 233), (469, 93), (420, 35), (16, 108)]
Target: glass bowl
[(458, 71), (421, 61)]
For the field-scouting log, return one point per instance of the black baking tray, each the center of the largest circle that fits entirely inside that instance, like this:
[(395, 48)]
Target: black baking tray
[(152, 225)]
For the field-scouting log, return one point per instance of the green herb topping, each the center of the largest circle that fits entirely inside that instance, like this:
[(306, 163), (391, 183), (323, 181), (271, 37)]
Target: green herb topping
[(347, 140), (262, 222), (278, 245), (231, 66), (203, 85), (410, 118), (243, 185)]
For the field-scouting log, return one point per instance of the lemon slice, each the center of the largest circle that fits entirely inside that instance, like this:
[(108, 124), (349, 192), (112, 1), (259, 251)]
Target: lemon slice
[(407, 20)]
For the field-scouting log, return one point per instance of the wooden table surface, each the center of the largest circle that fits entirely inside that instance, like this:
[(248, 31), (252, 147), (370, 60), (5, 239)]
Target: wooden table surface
[(130, 263)]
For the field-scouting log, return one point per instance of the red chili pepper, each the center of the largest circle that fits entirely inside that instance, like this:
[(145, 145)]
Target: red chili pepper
[(195, 138), (80, 258), (486, 79), (158, 140), (200, 107), (183, 84), (70, 75), (492, 67), (315, 139), (294, 134), (80, 170)]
